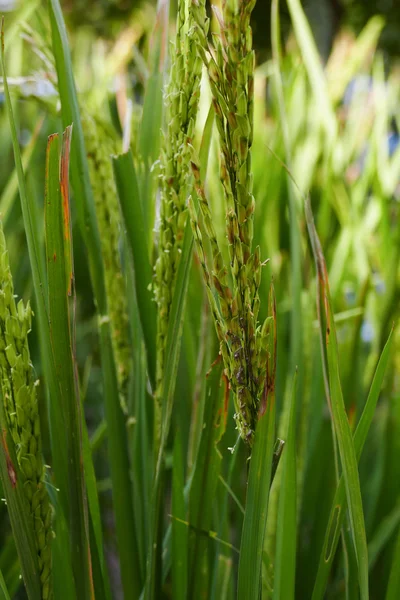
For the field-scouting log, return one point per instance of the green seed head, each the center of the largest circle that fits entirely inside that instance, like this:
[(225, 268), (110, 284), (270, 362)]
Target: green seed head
[(99, 146), (181, 103), (244, 346), (21, 407)]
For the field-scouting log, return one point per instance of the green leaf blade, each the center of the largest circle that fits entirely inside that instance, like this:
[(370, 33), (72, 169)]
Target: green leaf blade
[(128, 192), (174, 336), (342, 427), (259, 480), (337, 513), (4, 595), (255, 517), (285, 563), (203, 485), (117, 438), (392, 592), (59, 271), (179, 529)]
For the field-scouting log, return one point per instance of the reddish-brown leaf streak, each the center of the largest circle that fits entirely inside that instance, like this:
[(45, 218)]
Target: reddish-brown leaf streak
[(273, 307), (323, 280), (352, 415), (10, 467), (328, 318), (226, 397), (64, 181), (269, 385), (92, 593), (2, 33), (64, 185), (264, 400), (216, 362)]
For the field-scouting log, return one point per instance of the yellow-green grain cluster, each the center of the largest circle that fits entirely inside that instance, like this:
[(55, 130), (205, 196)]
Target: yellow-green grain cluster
[(99, 147), (235, 301), (21, 407), (181, 103)]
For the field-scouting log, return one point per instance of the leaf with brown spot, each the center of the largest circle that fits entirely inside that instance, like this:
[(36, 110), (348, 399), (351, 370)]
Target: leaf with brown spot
[(10, 467), (59, 275), (64, 186)]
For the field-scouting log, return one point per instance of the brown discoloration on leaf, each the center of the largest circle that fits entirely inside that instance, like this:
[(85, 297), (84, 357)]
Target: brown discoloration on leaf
[(54, 257), (92, 593), (323, 311), (2, 34), (64, 183), (51, 138), (195, 170), (322, 272), (352, 415), (64, 180), (272, 301), (226, 397), (216, 362), (10, 467), (269, 386)]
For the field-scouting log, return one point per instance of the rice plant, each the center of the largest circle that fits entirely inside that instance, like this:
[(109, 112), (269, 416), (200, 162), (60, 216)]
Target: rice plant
[(199, 391)]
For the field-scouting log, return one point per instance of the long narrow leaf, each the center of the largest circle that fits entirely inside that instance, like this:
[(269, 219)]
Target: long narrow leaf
[(120, 474), (204, 484), (199, 419), (255, 517), (10, 190), (64, 585), (224, 573), (314, 68), (79, 168), (179, 529), (128, 192), (117, 439), (59, 271), (295, 243), (339, 501), (142, 463), (174, 335), (4, 595), (285, 563), (296, 314), (259, 481), (27, 207), (10, 566), (383, 534), (151, 123), (392, 592), (341, 423), (101, 583), (59, 455)]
